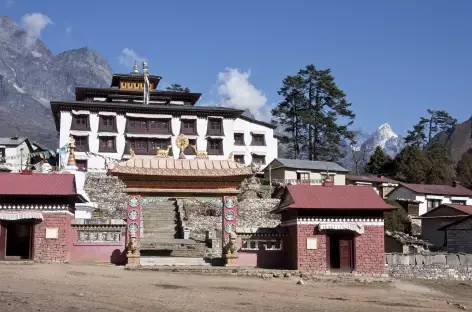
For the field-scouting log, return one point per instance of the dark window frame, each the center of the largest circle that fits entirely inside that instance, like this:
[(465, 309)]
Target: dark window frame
[(144, 146), (80, 122), (432, 203), (240, 159), (104, 123), (239, 139), (3, 151), (185, 130), (79, 162), (215, 151), (145, 125), (107, 149), (263, 157), (189, 150), (258, 139), (215, 130), (81, 147), (458, 202)]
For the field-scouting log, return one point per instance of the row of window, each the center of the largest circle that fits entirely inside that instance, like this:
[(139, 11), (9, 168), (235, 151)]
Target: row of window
[(162, 126), (434, 203), (149, 146)]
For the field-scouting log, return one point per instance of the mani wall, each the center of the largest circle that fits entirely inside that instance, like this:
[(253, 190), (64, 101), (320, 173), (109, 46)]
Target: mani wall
[(454, 266)]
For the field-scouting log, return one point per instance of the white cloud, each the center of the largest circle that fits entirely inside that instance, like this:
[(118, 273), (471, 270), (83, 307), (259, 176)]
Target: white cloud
[(9, 3), (128, 57), (238, 92), (68, 30), (34, 24)]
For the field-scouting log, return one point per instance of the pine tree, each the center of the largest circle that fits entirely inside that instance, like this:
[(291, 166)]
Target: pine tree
[(311, 107), (178, 88), (427, 128), (464, 170), (440, 165), (411, 165), (378, 162)]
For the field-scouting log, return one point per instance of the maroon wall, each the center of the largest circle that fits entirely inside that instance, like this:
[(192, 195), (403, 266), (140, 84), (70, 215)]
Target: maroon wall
[(103, 252), (52, 249)]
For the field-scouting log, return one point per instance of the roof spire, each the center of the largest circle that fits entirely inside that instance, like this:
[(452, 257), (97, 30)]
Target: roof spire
[(135, 68)]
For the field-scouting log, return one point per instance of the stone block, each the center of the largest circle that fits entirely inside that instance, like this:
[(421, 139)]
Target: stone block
[(419, 260), (439, 259), (389, 259), (452, 259), (465, 259)]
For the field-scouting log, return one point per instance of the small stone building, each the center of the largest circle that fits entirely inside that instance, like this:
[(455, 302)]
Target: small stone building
[(458, 235), (398, 242), (36, 210), (333, 228)]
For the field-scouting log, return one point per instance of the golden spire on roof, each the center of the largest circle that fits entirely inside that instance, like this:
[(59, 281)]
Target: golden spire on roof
[(135, 68)]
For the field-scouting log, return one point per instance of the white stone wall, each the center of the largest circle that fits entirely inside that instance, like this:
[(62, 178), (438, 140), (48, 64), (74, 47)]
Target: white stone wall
[(97, 164), (15, 152)]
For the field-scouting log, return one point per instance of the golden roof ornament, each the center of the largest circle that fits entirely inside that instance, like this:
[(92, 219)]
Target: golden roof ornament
[(71, 159), (135, 68)]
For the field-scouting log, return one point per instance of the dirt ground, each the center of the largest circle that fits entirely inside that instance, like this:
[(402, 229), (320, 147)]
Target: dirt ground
[(73, 287)]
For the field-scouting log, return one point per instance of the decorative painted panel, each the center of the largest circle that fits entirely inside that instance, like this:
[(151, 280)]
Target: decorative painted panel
[(230, 212), (133, 224), (99, 237)]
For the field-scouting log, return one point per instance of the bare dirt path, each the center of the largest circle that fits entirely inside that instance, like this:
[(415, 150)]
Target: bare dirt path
[(70, 287)]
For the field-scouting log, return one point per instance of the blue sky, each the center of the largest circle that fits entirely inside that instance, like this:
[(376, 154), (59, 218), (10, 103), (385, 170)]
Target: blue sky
[(394, 59)]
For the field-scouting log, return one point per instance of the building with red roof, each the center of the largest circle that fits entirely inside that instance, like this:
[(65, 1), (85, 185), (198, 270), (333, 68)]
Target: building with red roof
[(36, 210), (333, 227), (382, 185), (430, 196)]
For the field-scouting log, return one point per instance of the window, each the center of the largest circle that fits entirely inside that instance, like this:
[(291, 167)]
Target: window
[(107, 145), (239, 139), (303, 176), (2, 155), (81, 143), (188, 126), (161, 126), (189, 150), (433, 203), (158, 144), (258, 159), (258, 140), (239, 159), (158, 126), (81, 164), (107, 124), (215, 126), (145, 146), (80, 122), (458, 202), (215, 147), (266, 244)]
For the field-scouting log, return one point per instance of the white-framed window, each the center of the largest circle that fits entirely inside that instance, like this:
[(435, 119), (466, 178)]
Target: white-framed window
[(458, 202), (433, 203), (261, 244)]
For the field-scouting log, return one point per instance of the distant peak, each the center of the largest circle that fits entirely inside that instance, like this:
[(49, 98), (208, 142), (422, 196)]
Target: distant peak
[(385, 126)]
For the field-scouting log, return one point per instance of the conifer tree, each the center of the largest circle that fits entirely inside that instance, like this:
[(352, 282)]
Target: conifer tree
[(440, 169), (464, 170), (378, 162), (411, 165), (427, 128)]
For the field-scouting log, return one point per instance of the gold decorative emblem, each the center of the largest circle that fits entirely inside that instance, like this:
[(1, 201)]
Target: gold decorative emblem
[(182, 142)]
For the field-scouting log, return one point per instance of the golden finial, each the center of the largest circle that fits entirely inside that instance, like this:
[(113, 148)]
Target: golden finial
[(135, 68), (71, 159)]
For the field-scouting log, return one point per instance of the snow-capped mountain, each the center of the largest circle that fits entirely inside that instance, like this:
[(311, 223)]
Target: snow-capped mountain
[(384, 136)]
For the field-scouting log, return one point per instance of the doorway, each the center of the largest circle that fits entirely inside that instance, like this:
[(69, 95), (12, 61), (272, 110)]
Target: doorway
[(341, 251), (17, 239)]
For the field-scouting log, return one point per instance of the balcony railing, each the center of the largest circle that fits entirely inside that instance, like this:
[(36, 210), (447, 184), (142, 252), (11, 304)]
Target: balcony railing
[(295, 181)]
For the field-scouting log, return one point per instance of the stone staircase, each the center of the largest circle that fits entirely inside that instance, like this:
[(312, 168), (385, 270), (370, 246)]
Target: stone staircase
[(161, 241)]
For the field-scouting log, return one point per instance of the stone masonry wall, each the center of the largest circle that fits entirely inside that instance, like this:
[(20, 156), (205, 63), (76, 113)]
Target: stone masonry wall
[(370, 250), (107, 192), (52, 249), (205, 214), (453, 266), (313, 259), (459, 237)]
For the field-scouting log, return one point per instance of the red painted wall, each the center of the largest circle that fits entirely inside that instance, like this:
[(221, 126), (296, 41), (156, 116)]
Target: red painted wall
[(314, 259), (370, 250), (97, 252), (265, 259), (52, 249)]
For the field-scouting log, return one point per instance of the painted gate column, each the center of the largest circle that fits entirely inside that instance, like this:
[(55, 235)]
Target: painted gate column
[(230, 212), (133, 231)]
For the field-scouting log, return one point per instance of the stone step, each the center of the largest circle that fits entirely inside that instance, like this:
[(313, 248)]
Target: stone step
[(172, 261), (160, 218)]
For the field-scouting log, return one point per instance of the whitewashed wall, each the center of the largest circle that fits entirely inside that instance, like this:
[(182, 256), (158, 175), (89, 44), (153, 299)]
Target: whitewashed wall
[(403, 192), (96, 163)]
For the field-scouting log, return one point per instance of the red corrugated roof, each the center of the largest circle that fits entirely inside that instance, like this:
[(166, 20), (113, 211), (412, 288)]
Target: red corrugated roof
[(37, 184), (370, 179), (334, 197), (436, 189), (464, 208)]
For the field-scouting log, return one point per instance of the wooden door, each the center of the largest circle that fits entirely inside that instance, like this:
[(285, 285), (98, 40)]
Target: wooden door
[(3, 240), (346, 256)]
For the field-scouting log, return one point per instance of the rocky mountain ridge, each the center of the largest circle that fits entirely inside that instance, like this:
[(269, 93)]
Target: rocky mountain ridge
[(31, 76)]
